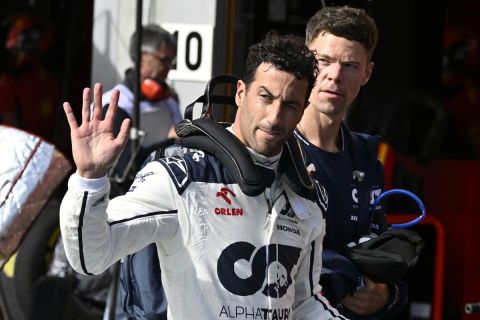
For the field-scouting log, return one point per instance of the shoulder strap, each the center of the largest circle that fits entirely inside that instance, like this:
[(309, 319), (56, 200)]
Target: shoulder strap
[(294, 167), (206, 134)]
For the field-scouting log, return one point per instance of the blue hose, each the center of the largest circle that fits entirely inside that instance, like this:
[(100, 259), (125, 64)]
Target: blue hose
[(407, 193)]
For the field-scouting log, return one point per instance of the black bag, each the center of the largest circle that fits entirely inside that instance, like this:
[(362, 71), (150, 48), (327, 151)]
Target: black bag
[(389, 257)]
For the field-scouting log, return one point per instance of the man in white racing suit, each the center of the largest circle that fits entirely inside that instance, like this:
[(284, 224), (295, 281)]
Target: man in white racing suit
[(224, 254)]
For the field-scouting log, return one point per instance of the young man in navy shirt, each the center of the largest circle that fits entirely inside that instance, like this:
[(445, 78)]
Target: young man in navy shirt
[(343, 163)]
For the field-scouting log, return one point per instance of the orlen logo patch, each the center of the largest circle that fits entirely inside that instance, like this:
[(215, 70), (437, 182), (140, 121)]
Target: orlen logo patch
[(225, 194)]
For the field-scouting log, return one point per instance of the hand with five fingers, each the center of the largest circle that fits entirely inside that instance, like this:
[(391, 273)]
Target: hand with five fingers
[(94, 146)]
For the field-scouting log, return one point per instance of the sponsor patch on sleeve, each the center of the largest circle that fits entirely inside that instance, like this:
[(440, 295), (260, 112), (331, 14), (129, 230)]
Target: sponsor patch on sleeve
[(178, 170)]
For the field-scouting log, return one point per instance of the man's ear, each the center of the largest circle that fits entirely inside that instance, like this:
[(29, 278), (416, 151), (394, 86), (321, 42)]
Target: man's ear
[(240, 95), (368, 72)]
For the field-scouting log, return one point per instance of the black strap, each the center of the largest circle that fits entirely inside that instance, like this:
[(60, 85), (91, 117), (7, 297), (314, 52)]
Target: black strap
[(205, 134), (294, 166), (210, 136)]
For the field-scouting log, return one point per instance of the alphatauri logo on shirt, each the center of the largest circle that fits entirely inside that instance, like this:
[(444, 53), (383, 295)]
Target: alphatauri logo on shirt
[(242, 268)]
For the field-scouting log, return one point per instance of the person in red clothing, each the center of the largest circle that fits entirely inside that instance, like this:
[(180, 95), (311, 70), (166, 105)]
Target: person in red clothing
[(29, 93), (461, 88)]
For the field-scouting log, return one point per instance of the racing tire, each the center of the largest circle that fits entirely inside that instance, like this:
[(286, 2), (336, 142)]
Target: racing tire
[(35, 254), (34, 287), (11, 309)]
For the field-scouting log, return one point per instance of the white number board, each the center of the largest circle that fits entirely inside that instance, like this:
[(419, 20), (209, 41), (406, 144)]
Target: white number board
[(194, 51)]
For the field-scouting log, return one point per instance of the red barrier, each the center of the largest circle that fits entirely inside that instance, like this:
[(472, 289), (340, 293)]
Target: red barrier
[(452, 189), (439, 265)]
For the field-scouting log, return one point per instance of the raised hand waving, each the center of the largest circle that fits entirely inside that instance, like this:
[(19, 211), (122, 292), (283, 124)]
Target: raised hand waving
[(94, 146)]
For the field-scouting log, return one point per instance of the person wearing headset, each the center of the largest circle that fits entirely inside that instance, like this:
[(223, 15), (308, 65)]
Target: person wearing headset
[(159, 105), (343, 163)]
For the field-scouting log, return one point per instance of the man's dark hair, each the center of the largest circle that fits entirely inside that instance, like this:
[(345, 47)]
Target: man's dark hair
[(286, 53), (350, 23), (153, 37)]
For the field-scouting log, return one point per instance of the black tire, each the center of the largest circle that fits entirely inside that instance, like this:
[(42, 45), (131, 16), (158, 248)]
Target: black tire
[(30, 264), (34, 288), (11, 309), (35, 253)]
